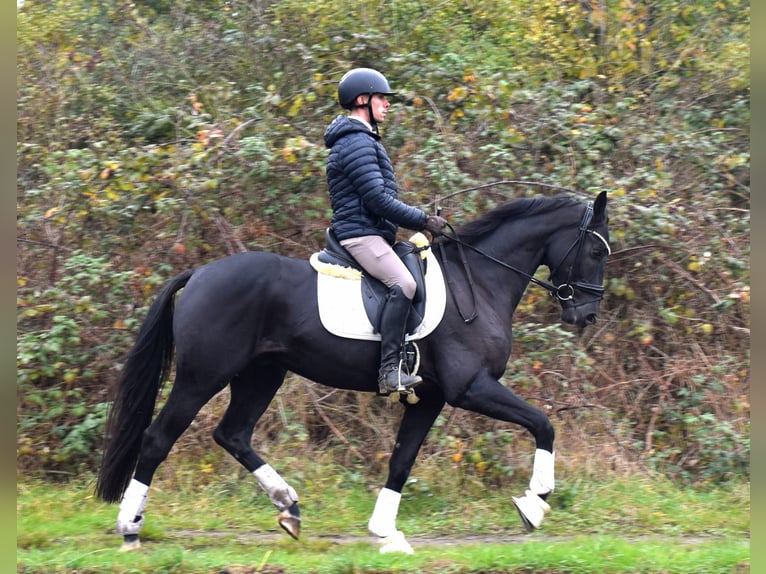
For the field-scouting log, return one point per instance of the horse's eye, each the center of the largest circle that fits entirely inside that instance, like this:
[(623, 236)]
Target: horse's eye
[(598, 252)]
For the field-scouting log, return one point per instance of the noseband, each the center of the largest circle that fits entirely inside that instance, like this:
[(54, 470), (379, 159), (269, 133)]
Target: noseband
[(563, 292)]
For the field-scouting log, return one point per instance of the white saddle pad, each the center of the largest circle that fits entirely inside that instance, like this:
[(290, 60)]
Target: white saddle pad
[(341, 307)]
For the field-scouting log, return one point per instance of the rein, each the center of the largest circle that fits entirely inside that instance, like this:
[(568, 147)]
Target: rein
[(563, 292)]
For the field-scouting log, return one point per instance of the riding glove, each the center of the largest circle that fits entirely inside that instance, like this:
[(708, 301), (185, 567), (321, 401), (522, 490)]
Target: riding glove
[(435, 224)]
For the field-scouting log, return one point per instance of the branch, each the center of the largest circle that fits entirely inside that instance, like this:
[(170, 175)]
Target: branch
[(678, 269), (628, 250), (43, 243), (220, 223), (225, 230), (584, 406), (236, 130), (328, 422)]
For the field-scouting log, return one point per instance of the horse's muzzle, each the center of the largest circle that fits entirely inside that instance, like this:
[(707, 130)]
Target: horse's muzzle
[(580, 316)]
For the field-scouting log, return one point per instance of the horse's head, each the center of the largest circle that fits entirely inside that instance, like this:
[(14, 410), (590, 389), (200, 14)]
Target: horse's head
[(577, 261)]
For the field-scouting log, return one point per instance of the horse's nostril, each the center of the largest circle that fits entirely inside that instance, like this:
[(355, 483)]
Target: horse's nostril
[(591, 319)]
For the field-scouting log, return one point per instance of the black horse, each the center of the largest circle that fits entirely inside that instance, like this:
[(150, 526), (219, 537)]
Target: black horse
[(247, 319)]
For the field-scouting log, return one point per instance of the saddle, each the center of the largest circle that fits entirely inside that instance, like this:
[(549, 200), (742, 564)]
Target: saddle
[(375, 292)]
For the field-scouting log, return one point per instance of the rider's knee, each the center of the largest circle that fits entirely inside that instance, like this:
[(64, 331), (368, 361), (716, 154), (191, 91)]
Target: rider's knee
[(408, 286)]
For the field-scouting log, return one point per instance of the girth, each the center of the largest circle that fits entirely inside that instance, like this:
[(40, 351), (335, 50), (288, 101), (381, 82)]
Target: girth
[(375, 292)]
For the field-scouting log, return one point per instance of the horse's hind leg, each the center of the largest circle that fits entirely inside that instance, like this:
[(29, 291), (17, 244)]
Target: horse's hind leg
[(174, 418), (251, 394), (487, 396)]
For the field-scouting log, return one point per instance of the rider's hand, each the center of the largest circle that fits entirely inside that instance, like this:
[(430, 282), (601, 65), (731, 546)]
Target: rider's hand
[(435, 224)]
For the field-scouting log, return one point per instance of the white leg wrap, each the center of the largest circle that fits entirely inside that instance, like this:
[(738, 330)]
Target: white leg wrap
[(542, 481), (281, 494), (383, 520), (130, 518)]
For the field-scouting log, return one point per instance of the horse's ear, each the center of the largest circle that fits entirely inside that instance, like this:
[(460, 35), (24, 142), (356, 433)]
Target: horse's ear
[(599, 207)]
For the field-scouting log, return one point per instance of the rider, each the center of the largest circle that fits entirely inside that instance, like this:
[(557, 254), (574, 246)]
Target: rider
[(367, 212)]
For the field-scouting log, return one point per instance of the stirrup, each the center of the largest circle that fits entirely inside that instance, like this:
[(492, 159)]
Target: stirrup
[(404, 382)]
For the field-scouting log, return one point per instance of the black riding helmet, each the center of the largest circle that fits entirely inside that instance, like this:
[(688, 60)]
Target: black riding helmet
[(362, 81)]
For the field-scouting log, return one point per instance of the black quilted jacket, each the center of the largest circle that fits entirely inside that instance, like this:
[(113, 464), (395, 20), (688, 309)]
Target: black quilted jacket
[(362, 184)]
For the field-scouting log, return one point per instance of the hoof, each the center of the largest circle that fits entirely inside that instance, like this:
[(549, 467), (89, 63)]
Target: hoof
[(531, 509), (395, 543), (290, 521), (130, 542)]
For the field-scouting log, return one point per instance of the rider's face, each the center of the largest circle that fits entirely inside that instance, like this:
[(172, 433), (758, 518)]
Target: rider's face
[(380, 106)]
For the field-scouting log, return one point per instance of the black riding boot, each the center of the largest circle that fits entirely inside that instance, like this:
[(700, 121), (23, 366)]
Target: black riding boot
[(393, 323)]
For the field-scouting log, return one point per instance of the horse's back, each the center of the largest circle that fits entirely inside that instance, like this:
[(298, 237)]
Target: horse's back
[(237, 294), (242, 273)]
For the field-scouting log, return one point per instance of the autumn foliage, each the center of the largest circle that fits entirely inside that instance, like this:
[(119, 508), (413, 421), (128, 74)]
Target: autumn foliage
[(155, 135)]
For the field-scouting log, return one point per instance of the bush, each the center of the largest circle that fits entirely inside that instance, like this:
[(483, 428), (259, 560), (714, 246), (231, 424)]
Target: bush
[(157, 136)]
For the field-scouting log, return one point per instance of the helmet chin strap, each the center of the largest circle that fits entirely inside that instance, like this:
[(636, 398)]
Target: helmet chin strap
[(370, 114), (373, 123)]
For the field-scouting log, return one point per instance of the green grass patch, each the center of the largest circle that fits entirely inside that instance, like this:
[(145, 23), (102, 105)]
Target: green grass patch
[(195, 525)]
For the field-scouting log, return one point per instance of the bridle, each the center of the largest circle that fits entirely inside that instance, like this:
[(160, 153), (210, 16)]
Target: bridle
[(563, 292)]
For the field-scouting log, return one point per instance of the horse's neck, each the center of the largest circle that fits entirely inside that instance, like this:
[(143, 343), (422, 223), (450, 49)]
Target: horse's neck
[(520, 245), (517, 247)]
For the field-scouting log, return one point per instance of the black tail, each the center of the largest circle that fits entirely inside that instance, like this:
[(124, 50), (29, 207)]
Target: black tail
[(147, 367)]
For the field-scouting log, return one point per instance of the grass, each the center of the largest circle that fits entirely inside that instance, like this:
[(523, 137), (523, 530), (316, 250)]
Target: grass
[(205, 524)]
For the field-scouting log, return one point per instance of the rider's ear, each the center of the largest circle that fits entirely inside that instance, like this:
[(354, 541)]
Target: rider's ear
[(599, 208)]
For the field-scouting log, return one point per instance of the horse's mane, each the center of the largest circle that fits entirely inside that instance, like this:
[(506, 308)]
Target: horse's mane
[(515, 209)]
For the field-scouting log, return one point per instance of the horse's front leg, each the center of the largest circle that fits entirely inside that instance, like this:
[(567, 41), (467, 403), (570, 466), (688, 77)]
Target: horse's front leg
[(416, 423), (488, 396)]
